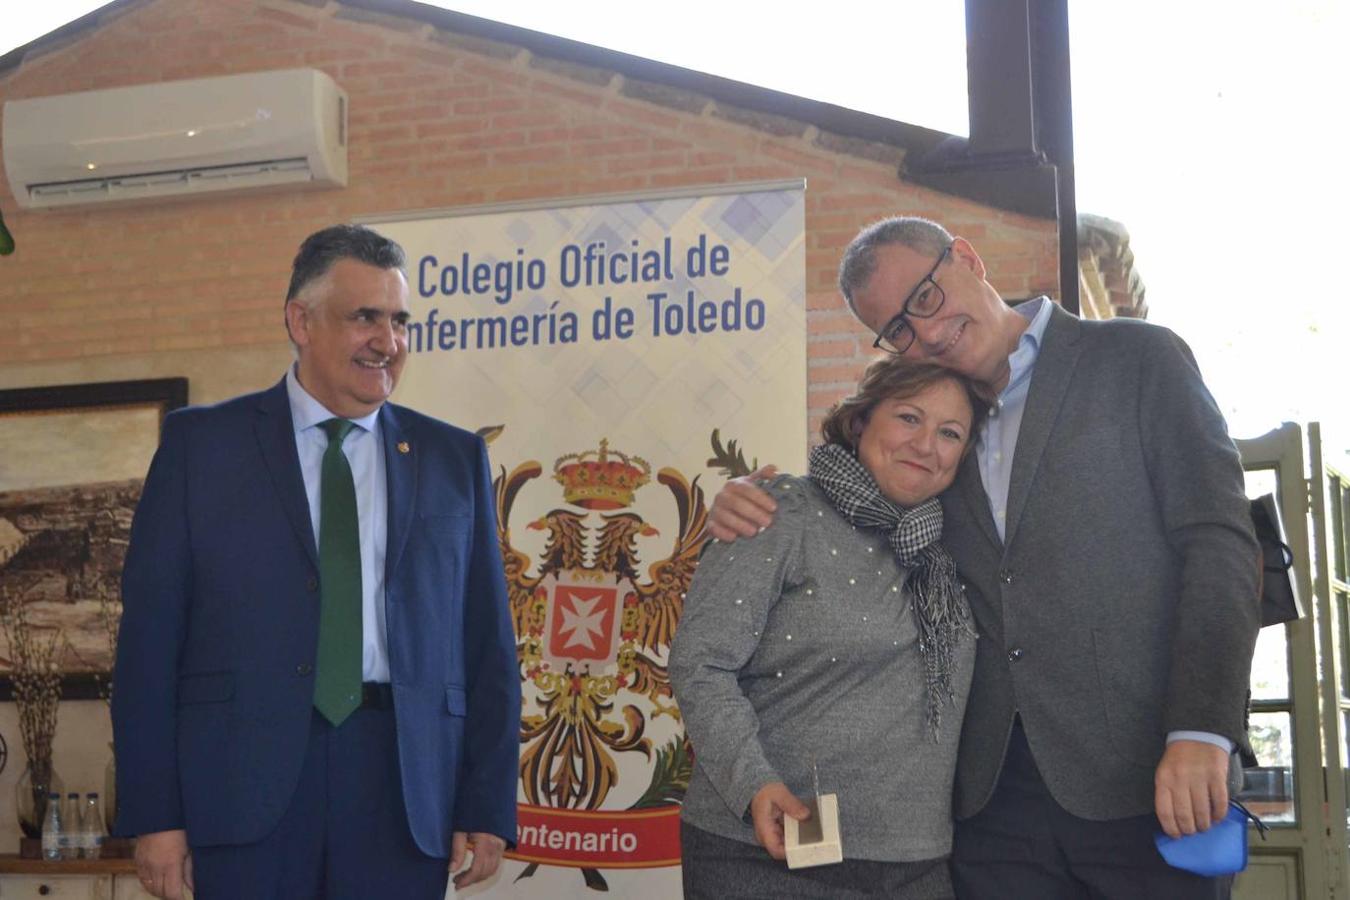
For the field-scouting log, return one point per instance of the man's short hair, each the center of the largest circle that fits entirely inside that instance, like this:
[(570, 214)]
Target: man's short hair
[(860, 256), (323, 248)]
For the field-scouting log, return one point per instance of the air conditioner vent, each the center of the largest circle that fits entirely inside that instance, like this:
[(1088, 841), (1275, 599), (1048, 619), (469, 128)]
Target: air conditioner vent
[(237, 132)]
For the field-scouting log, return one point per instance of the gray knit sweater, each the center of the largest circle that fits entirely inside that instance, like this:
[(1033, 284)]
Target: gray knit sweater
[(800, 644)]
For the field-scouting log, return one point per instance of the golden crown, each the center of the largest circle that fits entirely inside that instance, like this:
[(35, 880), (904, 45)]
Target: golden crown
[(604, 480)]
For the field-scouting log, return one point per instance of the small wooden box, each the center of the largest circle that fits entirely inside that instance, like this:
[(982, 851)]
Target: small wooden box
[(807, 846)]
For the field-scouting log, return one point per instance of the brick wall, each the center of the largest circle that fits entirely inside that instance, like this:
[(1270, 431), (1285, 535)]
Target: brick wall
[(437, 119)]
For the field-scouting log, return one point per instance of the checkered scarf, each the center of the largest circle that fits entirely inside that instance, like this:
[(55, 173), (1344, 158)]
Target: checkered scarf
[(936, 594)]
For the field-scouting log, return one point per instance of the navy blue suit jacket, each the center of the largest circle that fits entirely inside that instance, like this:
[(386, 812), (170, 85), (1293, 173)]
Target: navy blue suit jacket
[(215, 658)]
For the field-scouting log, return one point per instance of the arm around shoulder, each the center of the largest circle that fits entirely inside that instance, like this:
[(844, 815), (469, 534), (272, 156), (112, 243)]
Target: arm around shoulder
[(742, 508)]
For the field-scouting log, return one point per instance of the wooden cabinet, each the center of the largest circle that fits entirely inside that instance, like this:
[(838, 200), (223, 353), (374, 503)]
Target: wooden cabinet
[(56, 887), (128, 887), (76, 879)]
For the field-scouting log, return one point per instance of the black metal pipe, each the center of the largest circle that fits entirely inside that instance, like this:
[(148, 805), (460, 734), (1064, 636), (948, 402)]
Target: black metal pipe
[(1021, 119)]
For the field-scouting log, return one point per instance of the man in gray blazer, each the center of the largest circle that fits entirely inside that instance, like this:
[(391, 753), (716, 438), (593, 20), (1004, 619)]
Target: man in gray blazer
[(1103, 532)]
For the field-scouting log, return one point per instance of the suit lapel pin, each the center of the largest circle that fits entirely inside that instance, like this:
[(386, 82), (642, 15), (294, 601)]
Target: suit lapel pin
[(403, 447)]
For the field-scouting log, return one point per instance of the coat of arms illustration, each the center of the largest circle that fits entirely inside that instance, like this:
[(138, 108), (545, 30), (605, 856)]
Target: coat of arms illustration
[(593, 629)]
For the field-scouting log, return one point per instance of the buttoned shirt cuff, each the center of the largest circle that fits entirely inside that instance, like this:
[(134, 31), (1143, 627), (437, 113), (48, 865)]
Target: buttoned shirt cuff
[(1217, 740)]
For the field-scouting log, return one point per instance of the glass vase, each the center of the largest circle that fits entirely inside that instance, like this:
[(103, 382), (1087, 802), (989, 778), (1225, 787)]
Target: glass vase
[(30, 795)]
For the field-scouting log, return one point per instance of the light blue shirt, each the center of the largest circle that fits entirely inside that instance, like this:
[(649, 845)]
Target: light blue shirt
[(998, 440), (364, 450)]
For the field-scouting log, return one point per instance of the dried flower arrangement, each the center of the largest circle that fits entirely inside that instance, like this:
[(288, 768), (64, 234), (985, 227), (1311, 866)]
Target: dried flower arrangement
[(33, 654)]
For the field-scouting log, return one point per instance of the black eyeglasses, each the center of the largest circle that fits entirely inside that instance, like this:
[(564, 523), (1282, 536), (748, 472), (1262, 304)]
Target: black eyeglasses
[(897, 335)]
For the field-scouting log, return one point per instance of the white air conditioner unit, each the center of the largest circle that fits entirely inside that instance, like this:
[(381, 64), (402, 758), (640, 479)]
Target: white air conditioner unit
[(262, 129)]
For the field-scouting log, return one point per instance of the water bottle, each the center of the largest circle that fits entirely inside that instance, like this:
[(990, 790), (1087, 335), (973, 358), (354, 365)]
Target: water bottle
[(51, 828), (92, 832), (70, 827)]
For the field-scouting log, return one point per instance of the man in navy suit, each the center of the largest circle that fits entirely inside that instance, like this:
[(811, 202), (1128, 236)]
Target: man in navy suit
[(297, 716)]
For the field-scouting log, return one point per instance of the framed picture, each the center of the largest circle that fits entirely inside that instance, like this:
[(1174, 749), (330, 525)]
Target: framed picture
[(72, 462)]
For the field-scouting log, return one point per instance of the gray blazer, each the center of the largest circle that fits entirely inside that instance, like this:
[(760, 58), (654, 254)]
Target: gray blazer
[(1123, 604), (799, 644)]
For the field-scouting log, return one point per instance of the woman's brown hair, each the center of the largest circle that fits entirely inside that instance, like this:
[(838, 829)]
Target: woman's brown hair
[(894, 377)]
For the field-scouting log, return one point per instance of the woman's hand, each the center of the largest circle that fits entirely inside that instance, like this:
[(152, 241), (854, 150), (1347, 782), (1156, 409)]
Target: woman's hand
[(767, 809)]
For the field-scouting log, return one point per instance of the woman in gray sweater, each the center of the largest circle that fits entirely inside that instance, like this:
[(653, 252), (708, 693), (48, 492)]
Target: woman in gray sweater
[(839, 638)]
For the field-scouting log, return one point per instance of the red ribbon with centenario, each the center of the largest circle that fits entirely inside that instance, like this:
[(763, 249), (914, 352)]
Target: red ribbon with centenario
[(598, 839)]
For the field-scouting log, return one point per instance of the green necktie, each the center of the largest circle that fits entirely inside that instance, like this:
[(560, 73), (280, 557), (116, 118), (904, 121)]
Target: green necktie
[(337, 680)]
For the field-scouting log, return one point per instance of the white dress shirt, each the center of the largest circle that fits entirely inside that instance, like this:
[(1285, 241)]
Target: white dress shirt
[(364, 450)]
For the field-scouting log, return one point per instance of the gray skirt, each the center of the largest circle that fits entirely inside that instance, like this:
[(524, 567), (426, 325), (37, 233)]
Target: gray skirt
[(719, 868)]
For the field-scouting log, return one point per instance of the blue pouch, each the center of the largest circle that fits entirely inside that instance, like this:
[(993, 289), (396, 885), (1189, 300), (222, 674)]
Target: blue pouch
[(1222, 850)]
